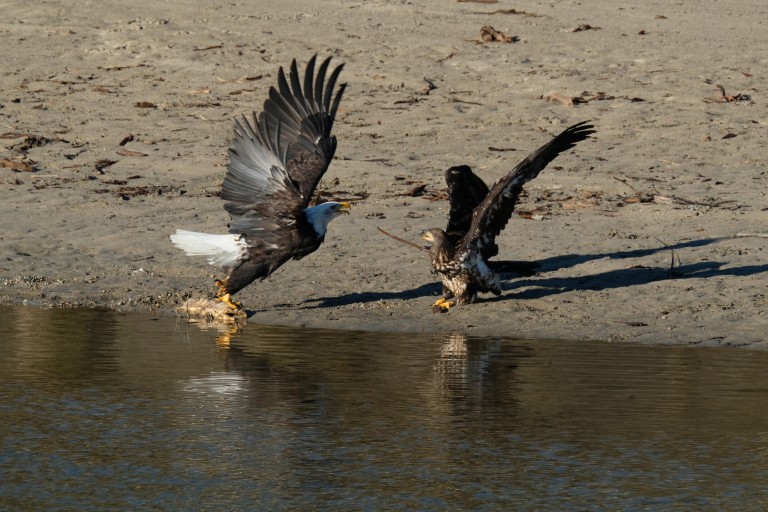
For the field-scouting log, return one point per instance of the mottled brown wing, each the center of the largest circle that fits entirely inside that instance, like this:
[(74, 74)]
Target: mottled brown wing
[(490, 218), (465, 193), (277, 158)]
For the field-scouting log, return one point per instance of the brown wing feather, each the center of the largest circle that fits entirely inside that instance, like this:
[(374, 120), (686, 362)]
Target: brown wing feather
[(494, 212), (465, 193), (305, 117), (278, 157)]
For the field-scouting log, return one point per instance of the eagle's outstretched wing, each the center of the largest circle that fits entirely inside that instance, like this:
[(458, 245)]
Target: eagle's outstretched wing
[(278, 157), (465, 193), (494, 212)]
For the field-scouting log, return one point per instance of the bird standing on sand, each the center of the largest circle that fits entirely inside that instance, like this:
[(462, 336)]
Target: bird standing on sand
[(275, 163), (477, 215)]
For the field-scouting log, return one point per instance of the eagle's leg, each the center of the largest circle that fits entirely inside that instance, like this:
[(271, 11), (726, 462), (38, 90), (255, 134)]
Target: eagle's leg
[(440, 302), (224, 296)]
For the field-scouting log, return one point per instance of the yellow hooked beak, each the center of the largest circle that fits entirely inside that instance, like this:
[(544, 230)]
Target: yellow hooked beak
[(345, 207)]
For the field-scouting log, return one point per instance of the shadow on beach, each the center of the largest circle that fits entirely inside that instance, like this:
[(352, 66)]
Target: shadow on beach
[(539, 287)]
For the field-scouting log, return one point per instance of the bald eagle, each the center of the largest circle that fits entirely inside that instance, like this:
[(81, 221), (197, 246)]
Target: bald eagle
[(275, 162), (477, 215)]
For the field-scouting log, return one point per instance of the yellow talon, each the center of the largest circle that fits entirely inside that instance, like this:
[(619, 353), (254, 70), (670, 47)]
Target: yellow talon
[(223, 296), (227, 299), (442, 304)]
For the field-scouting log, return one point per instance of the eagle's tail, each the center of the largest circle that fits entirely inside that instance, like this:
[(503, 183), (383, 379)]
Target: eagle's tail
[(220, 250)]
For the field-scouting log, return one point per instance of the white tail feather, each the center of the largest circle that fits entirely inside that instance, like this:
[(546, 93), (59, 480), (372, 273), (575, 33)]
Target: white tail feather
[(220, 250)]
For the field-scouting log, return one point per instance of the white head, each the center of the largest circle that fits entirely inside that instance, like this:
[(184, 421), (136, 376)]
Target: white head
[(319, 216)]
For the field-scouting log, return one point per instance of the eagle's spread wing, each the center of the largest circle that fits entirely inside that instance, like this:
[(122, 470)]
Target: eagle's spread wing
[(278, 158), (465, 192), (494, 212)]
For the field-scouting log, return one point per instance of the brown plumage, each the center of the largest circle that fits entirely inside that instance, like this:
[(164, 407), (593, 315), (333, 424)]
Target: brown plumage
[(275, 163), (460, 254)]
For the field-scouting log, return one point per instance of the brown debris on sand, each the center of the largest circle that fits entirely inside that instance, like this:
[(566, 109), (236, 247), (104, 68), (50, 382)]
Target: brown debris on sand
[(727, 98), (583, 27), (558, 98), (488, 34), (509, 11), (585, 97)]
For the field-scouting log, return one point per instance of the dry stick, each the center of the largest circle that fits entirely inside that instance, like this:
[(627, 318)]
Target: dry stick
[(401, 240), (457, 100), (627, 184), (507, 11), (452, 54), (712, 204), (640, 195), (744, 235), (672, 271)]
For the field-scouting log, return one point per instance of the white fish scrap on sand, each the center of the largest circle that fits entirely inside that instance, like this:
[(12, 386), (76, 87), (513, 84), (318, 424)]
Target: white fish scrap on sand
[(209, 313)]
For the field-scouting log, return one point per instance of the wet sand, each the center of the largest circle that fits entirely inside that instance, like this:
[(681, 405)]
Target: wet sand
[(115, 122)]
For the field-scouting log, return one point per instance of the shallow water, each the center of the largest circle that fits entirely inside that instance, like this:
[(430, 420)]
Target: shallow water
[(101, 410)]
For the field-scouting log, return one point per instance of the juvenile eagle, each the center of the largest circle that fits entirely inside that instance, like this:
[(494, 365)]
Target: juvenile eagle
[(275, 163), (477, 215)]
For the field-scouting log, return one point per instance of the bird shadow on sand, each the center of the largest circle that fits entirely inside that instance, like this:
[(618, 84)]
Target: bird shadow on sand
[(542, 286), (366, 297), (620, 278)]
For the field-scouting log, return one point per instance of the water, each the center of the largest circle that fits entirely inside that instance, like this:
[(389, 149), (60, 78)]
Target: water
[(105, 411)]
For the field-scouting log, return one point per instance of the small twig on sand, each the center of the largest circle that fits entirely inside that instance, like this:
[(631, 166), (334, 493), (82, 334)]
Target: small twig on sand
[(745, 235), (627, 184), (457, 100), (673, 272), (710, 204), (662, 199), (402, 241)]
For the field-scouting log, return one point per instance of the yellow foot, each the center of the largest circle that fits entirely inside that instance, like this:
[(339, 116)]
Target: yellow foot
[(442, 305), (223, 296), (227, 299)]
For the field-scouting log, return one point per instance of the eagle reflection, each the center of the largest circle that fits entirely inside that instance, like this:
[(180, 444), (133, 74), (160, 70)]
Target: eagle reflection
[(464, 367)]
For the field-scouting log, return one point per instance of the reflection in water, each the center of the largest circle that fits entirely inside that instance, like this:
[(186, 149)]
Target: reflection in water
[(463, 373), (108, 411)]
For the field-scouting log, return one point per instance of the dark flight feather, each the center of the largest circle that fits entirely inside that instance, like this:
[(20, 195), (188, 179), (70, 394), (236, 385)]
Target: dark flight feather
[(492, 215), (279, 157)]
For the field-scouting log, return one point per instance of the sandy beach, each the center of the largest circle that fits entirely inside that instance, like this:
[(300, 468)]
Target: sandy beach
[(115, 121)]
